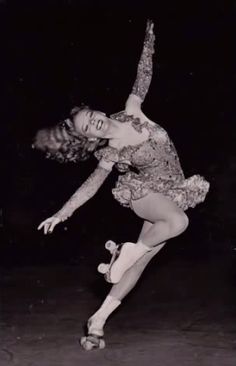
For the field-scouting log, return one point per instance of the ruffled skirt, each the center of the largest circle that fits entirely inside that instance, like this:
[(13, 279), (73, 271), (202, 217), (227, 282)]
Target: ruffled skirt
[(184, 192)]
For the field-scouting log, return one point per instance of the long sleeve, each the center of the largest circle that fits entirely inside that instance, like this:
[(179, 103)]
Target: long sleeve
[(86, 191), (144, 71)]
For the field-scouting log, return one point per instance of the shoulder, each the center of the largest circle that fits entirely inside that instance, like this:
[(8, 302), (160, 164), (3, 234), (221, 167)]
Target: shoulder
[(133, 107), (108, 153)]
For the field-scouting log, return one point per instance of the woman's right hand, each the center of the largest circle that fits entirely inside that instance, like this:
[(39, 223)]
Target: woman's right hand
[(49, 224), (149, 26)]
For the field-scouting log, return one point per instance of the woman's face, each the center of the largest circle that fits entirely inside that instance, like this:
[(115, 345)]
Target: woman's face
[(91, 123)]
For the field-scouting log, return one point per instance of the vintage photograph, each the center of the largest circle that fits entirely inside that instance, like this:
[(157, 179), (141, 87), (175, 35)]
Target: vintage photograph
[(117, 225)]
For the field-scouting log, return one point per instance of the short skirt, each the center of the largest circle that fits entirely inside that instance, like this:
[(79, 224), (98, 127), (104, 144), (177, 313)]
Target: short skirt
[(185, 192)]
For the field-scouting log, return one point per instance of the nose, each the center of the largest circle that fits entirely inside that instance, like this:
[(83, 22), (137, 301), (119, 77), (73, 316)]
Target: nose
[(92, 120)]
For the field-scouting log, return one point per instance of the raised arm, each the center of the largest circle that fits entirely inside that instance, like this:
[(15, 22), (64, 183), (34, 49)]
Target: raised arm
[(144, 71), (86, 191)]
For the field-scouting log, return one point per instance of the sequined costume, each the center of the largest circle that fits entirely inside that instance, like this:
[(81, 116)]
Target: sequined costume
[(158, 166), (150, 166), (155, 160)]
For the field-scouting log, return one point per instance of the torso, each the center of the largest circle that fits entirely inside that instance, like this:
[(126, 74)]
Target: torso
[(145, 146), (131, 137), (150, 162), (133, 133)]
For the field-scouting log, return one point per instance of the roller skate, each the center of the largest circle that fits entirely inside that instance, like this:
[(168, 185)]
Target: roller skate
[(104, 268), (94, 338), (123, 256)]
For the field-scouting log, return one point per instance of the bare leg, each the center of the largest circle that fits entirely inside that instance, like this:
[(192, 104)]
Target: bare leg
[(168, 221), (163, 220), (130, 278), (121, 289)]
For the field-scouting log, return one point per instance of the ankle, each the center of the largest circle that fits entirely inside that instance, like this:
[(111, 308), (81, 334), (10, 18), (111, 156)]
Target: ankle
[(143, 245), (96, 321), (95, 326)]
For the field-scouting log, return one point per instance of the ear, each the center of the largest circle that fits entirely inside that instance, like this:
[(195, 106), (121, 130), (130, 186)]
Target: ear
[(93, 143)]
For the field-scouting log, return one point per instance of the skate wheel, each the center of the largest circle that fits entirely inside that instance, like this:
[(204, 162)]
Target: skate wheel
[(86, 344), (102, 344), (110, 245), (103, 268), (92, 342)]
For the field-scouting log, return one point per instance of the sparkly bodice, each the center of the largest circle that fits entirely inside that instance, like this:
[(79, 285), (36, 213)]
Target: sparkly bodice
[(152, 166), (154, 156)]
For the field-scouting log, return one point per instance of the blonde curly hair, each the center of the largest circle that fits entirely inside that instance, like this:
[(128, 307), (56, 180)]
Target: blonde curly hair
[(62, 143)]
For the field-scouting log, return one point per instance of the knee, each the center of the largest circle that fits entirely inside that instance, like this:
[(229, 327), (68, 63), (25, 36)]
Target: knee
[(178, 223)]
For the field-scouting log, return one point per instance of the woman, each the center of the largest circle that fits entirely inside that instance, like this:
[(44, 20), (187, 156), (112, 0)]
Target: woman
[(153, 185)]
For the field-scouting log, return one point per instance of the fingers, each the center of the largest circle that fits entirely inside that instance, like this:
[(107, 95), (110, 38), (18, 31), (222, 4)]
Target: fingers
[(53, 224), (48, 225), (45, 225), (150, 23), (42, 224), (150, 26)]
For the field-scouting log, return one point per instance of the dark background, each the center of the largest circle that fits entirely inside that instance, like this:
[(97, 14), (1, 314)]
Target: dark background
[(57, 54)]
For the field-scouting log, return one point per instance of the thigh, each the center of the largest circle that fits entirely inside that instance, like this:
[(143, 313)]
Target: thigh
[(154, 207)]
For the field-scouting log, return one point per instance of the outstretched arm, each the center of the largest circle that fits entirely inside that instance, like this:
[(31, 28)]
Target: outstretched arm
[(86, 191), (144, 71)]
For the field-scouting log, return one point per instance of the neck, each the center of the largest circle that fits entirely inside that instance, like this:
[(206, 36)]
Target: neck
[(115, 130)]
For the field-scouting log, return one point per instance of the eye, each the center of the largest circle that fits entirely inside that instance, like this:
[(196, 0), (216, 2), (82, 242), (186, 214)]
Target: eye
[(86, 128)]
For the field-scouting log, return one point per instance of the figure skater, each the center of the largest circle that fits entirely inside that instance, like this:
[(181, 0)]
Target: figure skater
[(151, 183)]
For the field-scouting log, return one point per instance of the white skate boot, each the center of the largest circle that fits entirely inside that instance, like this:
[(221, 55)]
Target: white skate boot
[(123, 257), (114, 249)]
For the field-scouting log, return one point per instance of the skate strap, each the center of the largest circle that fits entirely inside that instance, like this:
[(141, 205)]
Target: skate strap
[(94, 338)]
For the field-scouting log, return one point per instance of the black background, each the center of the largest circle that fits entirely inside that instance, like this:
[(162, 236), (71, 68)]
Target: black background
[(57, 54)]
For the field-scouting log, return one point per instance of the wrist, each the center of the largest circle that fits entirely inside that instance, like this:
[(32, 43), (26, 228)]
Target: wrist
[(61, 216)]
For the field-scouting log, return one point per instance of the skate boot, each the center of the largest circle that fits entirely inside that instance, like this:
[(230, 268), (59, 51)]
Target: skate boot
[(94, 338), (114, 249), (123, 257)]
